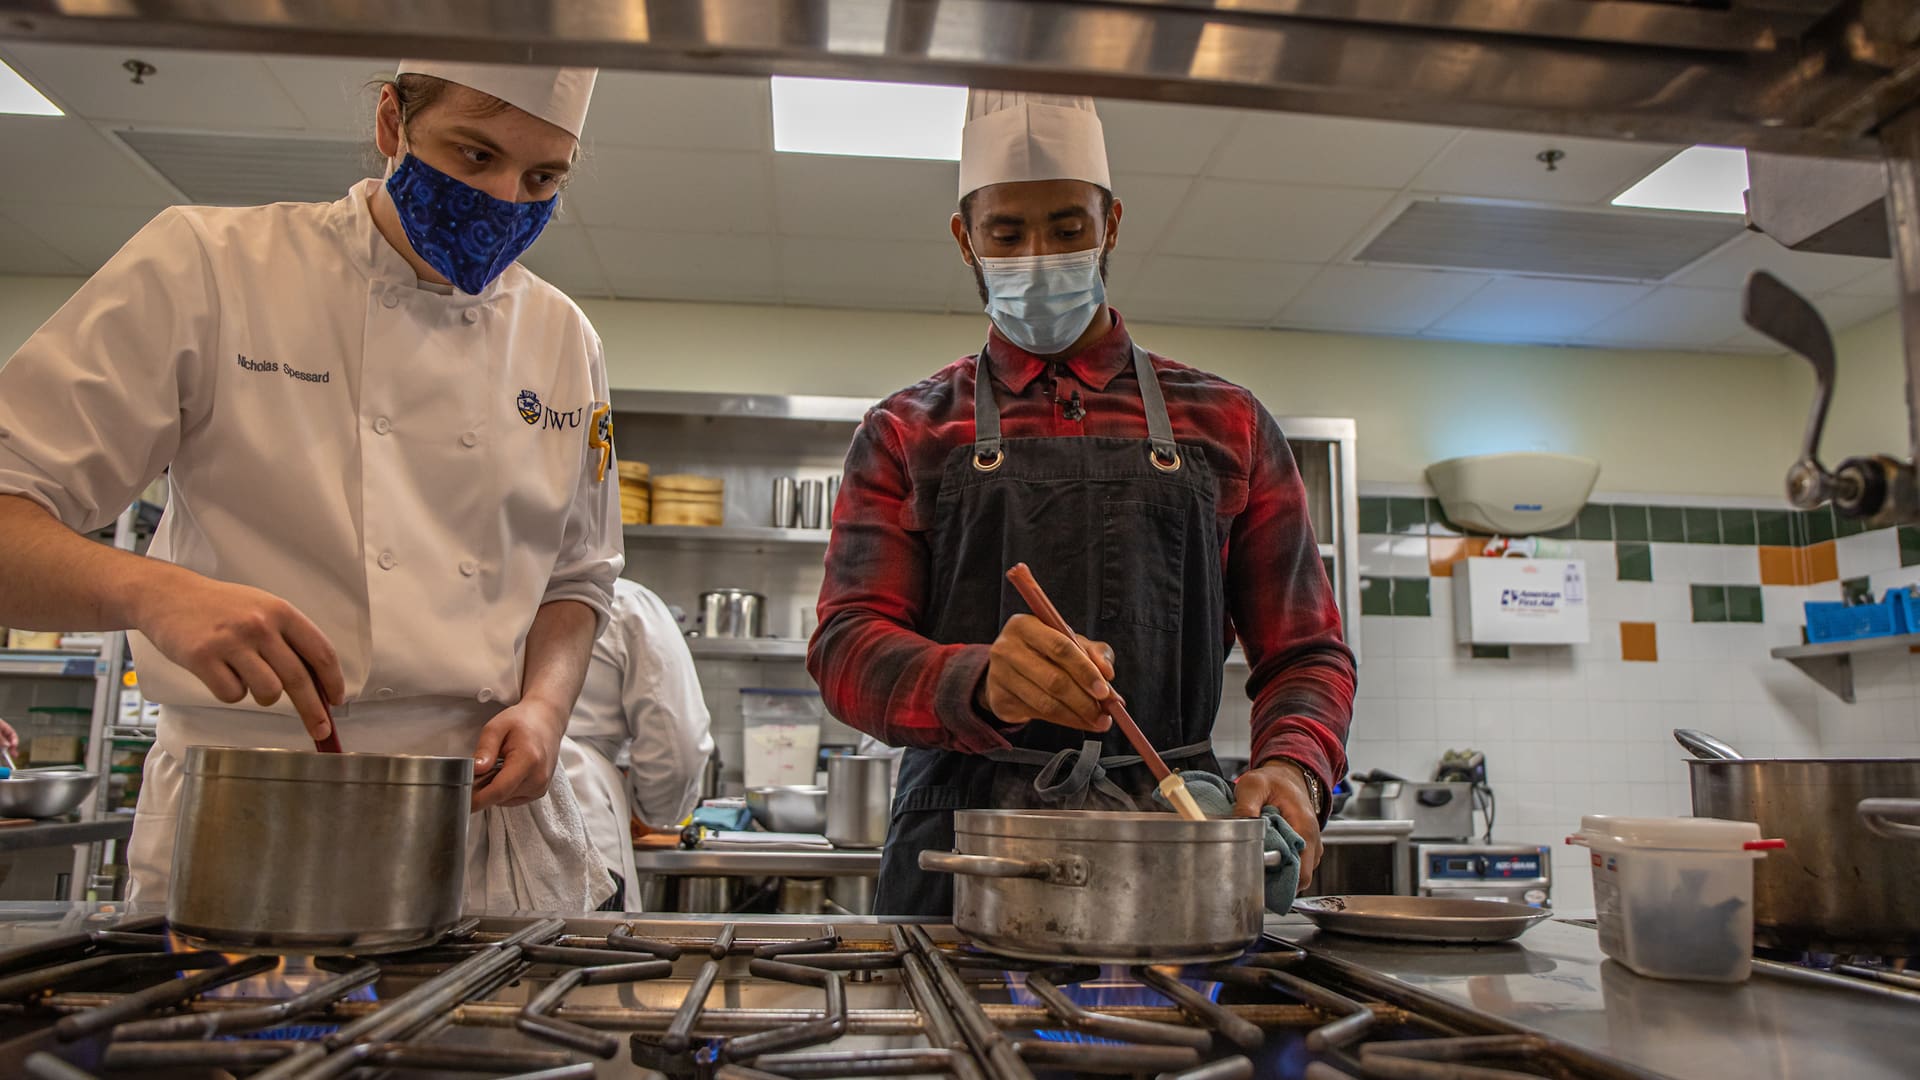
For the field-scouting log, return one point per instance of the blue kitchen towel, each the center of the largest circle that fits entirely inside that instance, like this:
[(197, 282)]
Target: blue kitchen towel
[(1214, 795)]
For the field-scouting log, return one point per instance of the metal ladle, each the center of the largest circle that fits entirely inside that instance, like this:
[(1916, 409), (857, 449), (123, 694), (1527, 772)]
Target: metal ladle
[(1704, 746)]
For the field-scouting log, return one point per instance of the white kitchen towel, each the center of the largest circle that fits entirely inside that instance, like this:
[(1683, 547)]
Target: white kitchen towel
[(539, 857)]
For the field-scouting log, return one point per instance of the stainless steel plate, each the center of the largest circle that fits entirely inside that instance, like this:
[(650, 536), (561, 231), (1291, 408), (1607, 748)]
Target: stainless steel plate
[(1421, 918)]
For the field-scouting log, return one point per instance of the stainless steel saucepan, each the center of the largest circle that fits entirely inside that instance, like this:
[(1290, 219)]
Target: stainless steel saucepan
[(1845, 883), (295, 851), (1111, 888)]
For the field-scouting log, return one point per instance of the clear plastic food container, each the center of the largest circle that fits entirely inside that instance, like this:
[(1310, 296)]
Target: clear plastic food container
[(1675, 895), (782, 735)]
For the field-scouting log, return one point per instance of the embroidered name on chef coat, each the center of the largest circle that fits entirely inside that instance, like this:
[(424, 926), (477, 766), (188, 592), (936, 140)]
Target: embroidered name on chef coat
[(291, 372)]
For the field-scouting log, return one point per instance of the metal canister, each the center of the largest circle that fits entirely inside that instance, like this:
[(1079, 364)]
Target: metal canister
[(858, 800), (733, 613), (811, 494), (783, 502), (833, 496)]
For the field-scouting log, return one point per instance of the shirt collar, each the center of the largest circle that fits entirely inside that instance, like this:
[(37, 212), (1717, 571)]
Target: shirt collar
[(1096, 365)]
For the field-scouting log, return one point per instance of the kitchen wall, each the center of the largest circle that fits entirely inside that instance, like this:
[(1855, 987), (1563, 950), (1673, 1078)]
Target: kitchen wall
[(1416, 401)]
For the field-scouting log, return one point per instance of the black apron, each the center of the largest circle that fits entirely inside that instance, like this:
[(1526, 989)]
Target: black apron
[(1124, 536)]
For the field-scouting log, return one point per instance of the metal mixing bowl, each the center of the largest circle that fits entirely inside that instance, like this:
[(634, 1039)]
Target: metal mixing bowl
[(799, 808), (44, 793)]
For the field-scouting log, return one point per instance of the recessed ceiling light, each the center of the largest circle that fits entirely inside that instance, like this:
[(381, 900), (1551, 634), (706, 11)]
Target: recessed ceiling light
[(1712, 179), (868, 119), (18, 97)]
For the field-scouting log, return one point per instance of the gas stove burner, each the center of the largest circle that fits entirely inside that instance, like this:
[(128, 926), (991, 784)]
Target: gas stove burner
[(560, 1000)]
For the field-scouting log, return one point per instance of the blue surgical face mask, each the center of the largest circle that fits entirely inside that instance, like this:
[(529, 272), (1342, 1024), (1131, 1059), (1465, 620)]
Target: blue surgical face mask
[(1043, 303), (463, 232)]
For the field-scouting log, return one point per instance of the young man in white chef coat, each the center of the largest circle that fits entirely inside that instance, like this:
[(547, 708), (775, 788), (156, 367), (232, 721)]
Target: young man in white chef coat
[(641, 702), (389, 455)]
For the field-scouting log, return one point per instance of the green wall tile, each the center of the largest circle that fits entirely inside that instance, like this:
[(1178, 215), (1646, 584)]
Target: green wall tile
[(1666, 524), (1846, 526), (1492, 652), (1857, 590), (1438, 523), (1595, 522), (1819, 524), (1909, 546), (1738, 527), (1373, 514), (1407, 515), (1709, 603), (1703, 525), (1744, 604), (1569, 531), (1376, 596), (1630, 523), (1634, 561), (1774, 527), (1410, 596)]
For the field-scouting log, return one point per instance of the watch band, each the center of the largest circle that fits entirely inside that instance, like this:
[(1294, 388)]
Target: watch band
[(1315, 790)]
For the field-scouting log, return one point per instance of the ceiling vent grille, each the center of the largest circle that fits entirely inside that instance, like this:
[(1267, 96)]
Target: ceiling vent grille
[(247, 170), (1542, 240)]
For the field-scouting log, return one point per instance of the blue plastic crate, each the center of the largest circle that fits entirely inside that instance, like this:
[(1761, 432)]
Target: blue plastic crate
[(1907, 604), (1842, 622)]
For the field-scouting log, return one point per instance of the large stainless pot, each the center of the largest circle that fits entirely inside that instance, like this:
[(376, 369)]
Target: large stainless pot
[(1846, 882), (295, 851), (1111, 888)]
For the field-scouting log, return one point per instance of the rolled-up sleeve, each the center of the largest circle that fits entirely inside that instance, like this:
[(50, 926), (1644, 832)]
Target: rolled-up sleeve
[(93, 405), (591, 544)]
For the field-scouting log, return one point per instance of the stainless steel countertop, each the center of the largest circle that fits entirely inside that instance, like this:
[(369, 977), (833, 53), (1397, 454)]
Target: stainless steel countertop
[(837, 863), (1554, 980)]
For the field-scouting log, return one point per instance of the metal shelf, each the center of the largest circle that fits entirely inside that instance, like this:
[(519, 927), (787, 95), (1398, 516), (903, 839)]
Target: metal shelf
[(1830, 663), (130, 734), (50, 663), (724, 537), (706, 648)]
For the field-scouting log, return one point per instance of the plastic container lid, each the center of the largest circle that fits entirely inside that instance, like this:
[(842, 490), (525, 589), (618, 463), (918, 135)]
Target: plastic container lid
[(1672, 834)]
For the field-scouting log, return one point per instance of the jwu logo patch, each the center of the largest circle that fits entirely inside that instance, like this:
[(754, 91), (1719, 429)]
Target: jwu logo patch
[(541, 415), (529, 405)]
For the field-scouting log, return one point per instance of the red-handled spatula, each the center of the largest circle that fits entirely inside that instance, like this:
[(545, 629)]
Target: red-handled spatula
[(1171, 786)]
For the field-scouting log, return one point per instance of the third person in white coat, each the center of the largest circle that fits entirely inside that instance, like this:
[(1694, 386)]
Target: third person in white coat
[(641, 704)]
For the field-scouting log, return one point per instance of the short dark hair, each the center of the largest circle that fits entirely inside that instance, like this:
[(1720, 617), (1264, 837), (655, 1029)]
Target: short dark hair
[(416, 92), (966, 206)]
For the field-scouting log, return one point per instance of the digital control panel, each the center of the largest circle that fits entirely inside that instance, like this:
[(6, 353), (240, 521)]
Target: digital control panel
[(1484, 867)]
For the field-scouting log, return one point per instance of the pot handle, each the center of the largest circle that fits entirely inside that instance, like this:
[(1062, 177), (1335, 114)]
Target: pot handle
[(1270, 859), (1895, 819), (1067, 870)]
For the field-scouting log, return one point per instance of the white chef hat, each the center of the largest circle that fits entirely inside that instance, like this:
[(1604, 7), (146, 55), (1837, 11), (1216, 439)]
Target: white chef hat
[(558, 95), (1013, 136)]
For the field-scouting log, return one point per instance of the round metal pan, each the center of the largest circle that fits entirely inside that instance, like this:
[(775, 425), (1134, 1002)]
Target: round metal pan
[(1421, 918)]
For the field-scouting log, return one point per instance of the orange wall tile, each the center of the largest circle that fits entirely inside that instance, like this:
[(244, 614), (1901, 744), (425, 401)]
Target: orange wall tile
[(1781, 566), (1823, 563), (1444, 551), (1638, 642)]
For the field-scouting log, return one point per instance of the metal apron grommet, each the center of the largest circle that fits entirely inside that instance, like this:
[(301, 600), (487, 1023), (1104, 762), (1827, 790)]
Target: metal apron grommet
[(989, 461), (1163, 464)]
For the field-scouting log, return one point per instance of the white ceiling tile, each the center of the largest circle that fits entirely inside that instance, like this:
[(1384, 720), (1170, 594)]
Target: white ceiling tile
[(565, 258), (1147, 206), (64, 160), (1379, 298), (1807, 272), (1673, 317), (687, 266), (872, 198), (1548, 310), (673, 190), (1842, 311), (201, 90), (21, 252), (334, 94), (1231, 219), (1300, 149), (1746, 339), (1147, 137), (1879, 281), (1500, 164), (1232, 292), (916, 275), (690, 112), (88, 235)]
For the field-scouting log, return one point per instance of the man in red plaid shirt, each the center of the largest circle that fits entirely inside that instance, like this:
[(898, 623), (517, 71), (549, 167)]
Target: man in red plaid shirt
[(1159, 506)]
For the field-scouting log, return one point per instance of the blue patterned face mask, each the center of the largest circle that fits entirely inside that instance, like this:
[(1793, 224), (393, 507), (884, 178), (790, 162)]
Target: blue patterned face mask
[(461, 231)]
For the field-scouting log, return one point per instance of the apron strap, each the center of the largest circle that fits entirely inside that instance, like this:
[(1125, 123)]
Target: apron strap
[(1068, 776), (987, 452)]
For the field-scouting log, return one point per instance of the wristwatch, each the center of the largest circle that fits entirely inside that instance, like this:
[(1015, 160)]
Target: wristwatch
[(1315, 791)]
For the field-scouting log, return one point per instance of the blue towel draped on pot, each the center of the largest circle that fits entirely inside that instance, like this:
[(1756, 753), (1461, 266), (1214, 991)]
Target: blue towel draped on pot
[(1214, 795)]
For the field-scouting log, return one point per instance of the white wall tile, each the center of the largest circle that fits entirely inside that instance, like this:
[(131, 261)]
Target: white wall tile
[(1672, 562), (1868, 552), (1376, 554), (1377, 637), (1415, 637), (1740, 565), (1453, 720)]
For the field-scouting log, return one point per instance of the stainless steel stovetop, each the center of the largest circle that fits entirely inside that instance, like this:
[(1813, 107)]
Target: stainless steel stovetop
[(549, 998)]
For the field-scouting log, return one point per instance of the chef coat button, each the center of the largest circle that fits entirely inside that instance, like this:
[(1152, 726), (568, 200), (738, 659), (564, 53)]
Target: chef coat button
[(470, 316), (469, 568), (485, 695), (384, 692), (469, 439), (381, 425), (386, 560), (392, 299)]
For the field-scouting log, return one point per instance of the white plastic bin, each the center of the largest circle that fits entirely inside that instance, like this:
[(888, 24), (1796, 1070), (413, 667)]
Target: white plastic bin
[(1675, 895), (781, 735)]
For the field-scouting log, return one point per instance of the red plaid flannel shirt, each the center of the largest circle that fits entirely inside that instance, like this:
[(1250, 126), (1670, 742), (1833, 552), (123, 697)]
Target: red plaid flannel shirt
[(880, 675)]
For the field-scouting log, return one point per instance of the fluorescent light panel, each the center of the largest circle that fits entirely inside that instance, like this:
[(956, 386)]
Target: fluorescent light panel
[(868, 119), (19, 98), (1704, 178)]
